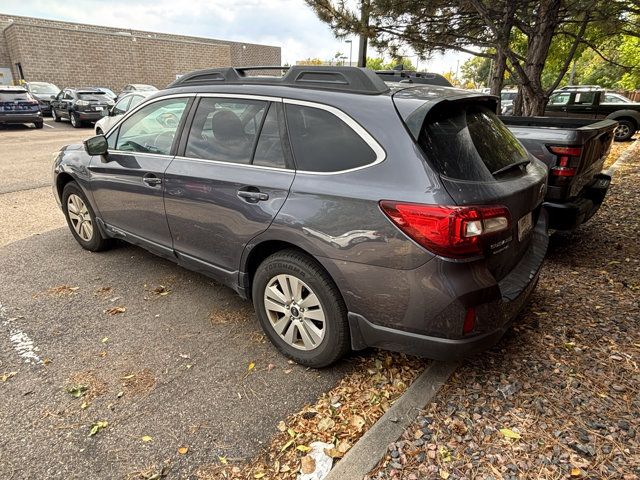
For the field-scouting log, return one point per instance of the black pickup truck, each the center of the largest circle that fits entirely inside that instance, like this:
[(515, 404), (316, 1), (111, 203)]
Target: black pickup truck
[(575, 151), (595, 103)]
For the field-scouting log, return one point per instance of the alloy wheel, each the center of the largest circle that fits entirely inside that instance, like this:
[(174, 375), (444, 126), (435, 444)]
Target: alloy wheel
[(294, 312), (621, 131), (80, 217)]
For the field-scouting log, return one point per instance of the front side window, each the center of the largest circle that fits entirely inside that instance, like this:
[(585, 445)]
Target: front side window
[(225, 129), (122, 106), (135, 101), (152, 128), (322, 142), (559, 99), (68, 95)]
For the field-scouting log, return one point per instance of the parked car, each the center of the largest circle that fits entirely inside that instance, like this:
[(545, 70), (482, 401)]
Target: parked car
[(209, 174), (18, 106), (580, 102), (574, 150), (110, 93), (137, 87), (122, 106), (507, 97), (80, 105), (43, 92)]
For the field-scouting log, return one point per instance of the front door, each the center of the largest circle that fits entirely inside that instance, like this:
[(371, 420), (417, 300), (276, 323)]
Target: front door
[(231, 179), (127, 183), (583, 105), (557, 106)]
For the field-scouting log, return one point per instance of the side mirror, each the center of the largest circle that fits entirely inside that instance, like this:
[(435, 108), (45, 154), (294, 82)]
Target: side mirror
[(96, 145)]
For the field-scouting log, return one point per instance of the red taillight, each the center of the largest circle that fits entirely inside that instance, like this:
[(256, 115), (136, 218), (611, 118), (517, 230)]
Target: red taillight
[(570, 151), (448, 231), (469, 320), (566, 164)]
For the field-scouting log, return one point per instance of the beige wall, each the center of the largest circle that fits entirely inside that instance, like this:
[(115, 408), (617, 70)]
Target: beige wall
[(70, 54)]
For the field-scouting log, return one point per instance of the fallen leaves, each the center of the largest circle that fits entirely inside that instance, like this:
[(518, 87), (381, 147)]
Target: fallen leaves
[(61, 290), (508, 433), (115, 310), (338, 418), (77, 391), (7, 375), (98, 427), (183, 450), (146, 438), (308, 464)]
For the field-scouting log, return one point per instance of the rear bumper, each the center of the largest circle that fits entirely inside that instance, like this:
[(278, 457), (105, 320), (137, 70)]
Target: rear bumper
[(13, 118), (574, 212), (425, 316), (89, 116)]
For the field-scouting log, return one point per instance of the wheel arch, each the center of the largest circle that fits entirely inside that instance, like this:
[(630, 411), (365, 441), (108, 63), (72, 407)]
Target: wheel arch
[(628, 115), (61, 180), (259, 252)]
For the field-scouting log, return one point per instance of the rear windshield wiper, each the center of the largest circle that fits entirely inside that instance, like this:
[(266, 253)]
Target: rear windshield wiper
[(511, 166)]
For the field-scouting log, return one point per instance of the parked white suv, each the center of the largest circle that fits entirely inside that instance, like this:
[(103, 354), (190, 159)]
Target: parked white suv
[(121, 107)]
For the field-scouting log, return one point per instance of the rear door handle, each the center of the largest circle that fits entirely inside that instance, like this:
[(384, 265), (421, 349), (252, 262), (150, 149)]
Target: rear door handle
[(151, 180), (253, 195)]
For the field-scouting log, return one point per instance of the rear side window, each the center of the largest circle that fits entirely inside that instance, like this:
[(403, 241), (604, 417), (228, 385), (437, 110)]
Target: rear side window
[(322, 142), (469, 143)]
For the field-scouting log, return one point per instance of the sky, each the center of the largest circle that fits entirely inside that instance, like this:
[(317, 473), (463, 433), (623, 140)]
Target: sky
[(290, 24)]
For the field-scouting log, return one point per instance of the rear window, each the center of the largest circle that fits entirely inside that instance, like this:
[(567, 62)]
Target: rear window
[(469, 143), (14, 96), (95, 96)]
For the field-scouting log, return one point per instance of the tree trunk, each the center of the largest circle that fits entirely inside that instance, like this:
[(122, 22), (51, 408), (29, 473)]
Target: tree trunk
[(497, 75)]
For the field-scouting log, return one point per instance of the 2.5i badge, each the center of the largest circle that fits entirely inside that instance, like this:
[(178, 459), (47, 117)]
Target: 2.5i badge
[(525, 224)]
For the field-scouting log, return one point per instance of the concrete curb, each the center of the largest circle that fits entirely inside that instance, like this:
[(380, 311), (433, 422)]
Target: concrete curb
[(622, 159), (368, 451)]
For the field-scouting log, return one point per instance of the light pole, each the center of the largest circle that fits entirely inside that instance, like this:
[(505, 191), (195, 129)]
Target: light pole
[(350, 42), (343, 58)]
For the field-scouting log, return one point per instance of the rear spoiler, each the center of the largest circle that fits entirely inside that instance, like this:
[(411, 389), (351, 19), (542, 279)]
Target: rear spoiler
[(414, 105)]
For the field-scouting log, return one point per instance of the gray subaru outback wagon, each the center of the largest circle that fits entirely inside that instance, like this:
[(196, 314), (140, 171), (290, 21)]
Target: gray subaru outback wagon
[(352, 212)]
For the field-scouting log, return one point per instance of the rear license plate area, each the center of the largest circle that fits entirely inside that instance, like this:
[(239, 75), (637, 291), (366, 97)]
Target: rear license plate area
[(525, 225)]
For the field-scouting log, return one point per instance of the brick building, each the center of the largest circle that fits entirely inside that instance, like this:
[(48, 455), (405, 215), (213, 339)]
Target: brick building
[(72, 54)]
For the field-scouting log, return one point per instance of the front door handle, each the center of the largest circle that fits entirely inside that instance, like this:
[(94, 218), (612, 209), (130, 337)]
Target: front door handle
[(253, 195), (151, 180)]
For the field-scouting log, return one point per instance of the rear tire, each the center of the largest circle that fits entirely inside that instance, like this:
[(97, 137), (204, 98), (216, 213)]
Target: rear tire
[(300, 309), (81, 219), (624, 131), (54, 115), (75, 121)]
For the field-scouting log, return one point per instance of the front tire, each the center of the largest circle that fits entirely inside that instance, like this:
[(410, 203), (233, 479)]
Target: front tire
[(54, 115), (300, 309), (39, 124), (624, 131), (81, 219)]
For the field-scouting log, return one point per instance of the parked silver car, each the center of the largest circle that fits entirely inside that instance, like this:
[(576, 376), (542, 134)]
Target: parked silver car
[(116, 112)]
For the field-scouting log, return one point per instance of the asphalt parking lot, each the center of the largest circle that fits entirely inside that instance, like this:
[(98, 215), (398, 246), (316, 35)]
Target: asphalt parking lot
[(175, 364)]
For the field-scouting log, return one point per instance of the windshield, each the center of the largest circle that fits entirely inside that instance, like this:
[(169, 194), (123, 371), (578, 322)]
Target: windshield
[(508, 95), (43, 88), (93, 96), (469, 142)]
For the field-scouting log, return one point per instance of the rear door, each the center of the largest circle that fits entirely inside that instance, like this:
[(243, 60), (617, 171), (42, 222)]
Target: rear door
[(480, 162), (127, 183), (583, 105), (230, 181)]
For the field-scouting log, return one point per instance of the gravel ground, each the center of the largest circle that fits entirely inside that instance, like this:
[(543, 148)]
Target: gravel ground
[(559, 397)]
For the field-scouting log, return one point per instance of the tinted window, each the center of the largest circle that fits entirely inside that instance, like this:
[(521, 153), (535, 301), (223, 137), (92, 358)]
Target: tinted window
[(122, 106), (152, 128), (93, 96), (225, 129), (469, 143), (14, 96), (584, 98), (559, 99), (322, 142), (269, 151), (43, 88)]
